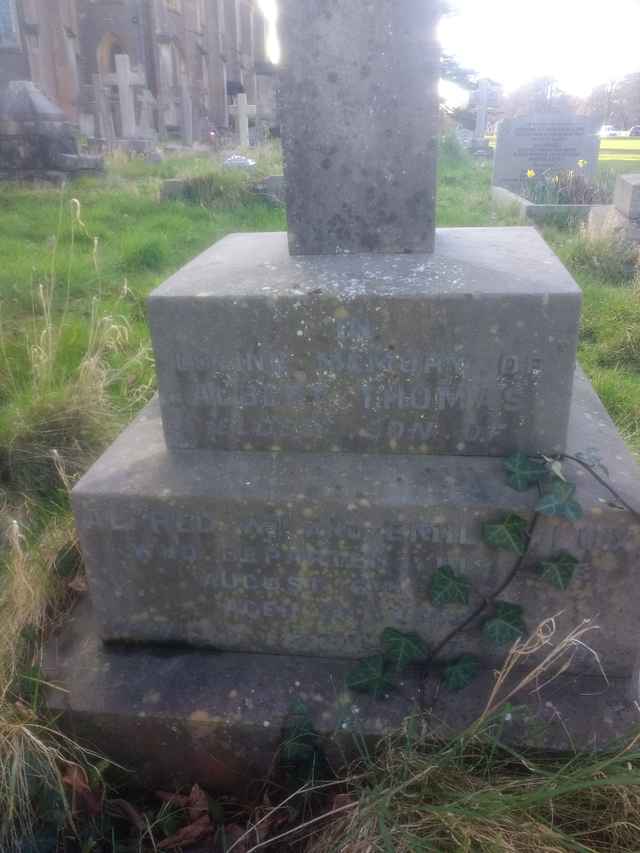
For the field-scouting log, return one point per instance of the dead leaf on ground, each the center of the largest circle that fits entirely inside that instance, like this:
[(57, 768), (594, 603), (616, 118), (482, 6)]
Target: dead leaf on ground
[(191, 834), (79, 585), (76, 779), (196, 802)]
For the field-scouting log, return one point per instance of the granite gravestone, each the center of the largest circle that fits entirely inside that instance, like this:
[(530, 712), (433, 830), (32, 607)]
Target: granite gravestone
[(546, 144), (266, 506)]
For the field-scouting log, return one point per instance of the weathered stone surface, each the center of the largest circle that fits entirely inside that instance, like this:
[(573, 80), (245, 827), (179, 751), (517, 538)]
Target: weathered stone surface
[(175, 717), (606, 221), (627, 195), (36, 139), (546, 143), (467, 351), (315, 554), (359, 106)]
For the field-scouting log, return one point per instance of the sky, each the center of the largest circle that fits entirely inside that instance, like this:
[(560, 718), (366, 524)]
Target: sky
[(581, 43)]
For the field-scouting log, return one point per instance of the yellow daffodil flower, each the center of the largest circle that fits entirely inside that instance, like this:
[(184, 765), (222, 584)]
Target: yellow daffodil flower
[(531, 173), (582, 163)]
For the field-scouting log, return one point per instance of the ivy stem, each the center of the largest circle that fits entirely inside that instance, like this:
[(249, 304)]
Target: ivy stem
[(603, 482), (484, 605), (490, 600)]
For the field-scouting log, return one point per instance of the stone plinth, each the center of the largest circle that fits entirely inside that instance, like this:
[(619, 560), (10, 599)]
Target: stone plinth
[(359, 106), (178, 717), (607, 222), (545, 143), (467, 351), (313, 554), (627, 196)]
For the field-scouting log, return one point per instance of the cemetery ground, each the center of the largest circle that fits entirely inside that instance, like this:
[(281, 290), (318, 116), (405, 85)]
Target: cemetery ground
[(75, 364)]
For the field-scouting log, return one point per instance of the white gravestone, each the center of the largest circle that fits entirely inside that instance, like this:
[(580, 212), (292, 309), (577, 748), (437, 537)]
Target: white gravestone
[(125, 79), (242, 111)]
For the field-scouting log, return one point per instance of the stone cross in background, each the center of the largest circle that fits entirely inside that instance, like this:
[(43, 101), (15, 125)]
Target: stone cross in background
[(482, 110), (186, 102), (242, 111), (125, 79), (359, 106)]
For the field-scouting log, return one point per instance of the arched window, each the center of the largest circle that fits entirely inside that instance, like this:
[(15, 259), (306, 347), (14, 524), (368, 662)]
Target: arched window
[(8, 24)]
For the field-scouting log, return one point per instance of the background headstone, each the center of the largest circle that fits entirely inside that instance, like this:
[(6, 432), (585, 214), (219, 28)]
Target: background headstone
[(546, 143), (360, 124), (621, 220), (627, 195)]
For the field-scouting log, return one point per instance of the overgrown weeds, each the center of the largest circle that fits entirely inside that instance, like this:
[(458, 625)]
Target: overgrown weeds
[(475, 792), (612, 261)]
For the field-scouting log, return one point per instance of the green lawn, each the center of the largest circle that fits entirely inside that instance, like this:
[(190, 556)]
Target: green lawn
[(621, 149)]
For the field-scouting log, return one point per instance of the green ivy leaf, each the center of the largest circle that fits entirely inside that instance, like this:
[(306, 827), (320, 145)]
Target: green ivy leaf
[(506, 625), (524, 472), (369, 676), (449, 588), (401, 650), (560, 570), (511, 534), (460, 673), (561, 502)]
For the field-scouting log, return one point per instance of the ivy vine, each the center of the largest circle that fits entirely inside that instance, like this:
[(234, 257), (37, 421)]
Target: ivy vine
[(502, 622)]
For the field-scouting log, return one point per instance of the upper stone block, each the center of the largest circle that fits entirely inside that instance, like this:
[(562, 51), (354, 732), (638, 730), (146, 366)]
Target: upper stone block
[(470, 350), (627, 195), (359, 124)]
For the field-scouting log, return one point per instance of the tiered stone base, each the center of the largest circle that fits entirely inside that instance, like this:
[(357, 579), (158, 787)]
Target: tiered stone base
[(314, 554), (175, 717), (180, 715)]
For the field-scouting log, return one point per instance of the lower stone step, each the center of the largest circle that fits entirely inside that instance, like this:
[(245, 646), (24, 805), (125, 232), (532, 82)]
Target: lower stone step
[(174, 716), (315, 554)]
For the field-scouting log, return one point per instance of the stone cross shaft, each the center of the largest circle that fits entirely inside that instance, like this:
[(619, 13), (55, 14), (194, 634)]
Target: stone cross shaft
[(243, 111), (360, 124), (125, 79)]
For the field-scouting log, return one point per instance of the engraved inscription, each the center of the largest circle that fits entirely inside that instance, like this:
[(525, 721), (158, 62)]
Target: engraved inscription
[(405, 397)]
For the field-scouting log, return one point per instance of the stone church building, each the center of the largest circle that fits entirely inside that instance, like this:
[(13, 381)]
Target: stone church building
[(140, 68)]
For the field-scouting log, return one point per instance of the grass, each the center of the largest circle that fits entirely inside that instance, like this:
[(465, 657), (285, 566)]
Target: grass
[(75, 364), (471, 793), (609, 348)]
